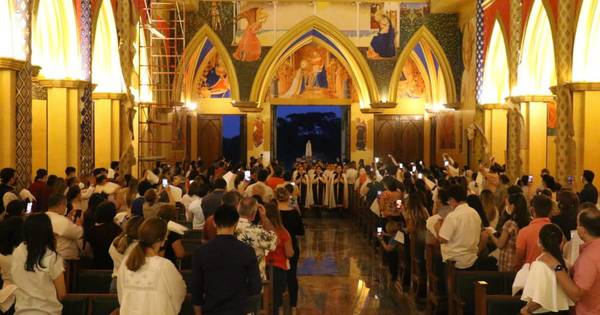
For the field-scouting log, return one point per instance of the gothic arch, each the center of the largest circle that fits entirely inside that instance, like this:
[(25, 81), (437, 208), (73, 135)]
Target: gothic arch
[(495, 86), (424, 35), (295, 38), (204, 34), (586, 45)]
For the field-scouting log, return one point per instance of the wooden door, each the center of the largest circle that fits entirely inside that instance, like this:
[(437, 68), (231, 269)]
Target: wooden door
[(401, 136), (210, 139)]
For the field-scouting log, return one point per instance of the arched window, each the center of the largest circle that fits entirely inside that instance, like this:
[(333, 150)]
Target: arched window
[(55, 40), (586, 51), (106, 64), (495, 86), (537, 70)]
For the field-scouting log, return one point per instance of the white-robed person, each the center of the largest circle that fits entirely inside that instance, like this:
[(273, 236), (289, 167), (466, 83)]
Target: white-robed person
[(318, 185), (302, 181), (337, 195)]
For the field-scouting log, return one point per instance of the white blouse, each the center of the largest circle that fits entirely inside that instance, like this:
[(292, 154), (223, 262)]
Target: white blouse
[(542, 288), (157, 288), (117, 257), (36, 292)]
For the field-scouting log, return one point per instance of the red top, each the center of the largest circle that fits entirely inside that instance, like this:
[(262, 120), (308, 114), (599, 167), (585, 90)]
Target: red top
[(273, 182), (277, 257), (527, 240)]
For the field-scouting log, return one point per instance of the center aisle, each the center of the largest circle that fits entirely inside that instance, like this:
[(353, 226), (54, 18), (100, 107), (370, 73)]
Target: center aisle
[(340, 273)]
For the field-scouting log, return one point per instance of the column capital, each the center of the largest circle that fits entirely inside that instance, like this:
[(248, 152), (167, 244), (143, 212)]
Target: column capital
[(11, 64), (493, 106), (383, 104), (531, 98), (108, 96), (72, 84), (578, 86), (371, 110)]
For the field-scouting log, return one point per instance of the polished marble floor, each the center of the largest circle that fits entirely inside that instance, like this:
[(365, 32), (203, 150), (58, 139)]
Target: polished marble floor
[(341, 274)]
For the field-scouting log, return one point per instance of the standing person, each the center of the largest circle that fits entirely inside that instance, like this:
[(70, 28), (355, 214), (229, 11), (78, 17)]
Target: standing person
[(122, 245), (224, 270), (527, 239), (68, 234), (276, 179), (302, 181), (261, 237), (568, 206), (589, 193), (389, 198), (8, 178), (351, 178), (292, 221), (173, 248), (197, 192), (37, 269), (260, 187), (11, 236), (489, 207), (101, 235), (338, 190), (279, 258), (506, 242), (459, 233), (319, 184), (147, 283), (584, 288), (542, 292), (39, 191), (212, 201)]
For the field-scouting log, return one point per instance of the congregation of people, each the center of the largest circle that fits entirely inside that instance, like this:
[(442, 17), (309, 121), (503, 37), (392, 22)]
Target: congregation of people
[(250, 218)]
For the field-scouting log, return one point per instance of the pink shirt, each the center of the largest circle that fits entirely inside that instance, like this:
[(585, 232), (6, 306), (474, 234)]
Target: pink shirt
[(586, 274), (527, 240)]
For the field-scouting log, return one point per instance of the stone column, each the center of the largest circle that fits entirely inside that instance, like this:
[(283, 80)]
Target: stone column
[(565, 146), (9, 69), (87, 110), (64, 123), (107, 131), (23, 114), (514, 163)]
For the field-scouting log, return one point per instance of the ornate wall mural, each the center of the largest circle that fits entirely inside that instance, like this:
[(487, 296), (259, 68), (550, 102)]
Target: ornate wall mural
[(422, 76), (210, 80), (312, 72)]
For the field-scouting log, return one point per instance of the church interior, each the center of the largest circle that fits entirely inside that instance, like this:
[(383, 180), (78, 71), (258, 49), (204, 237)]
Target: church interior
[(454, 85)]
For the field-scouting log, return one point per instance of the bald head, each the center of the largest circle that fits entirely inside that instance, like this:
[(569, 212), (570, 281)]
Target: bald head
[(247, 207)]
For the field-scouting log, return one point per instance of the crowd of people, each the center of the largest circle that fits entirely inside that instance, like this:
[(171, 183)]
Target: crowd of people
[(250, 218)]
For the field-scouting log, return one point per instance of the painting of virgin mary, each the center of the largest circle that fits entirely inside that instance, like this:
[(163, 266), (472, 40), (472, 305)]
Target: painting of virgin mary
[(383, 43)]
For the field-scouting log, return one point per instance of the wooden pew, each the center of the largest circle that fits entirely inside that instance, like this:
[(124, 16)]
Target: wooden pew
[(461, 287), (495, 304), (437, 300)]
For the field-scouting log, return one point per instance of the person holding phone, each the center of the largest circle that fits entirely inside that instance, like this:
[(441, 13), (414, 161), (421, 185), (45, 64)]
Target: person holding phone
[(389, 243), (392, 192)]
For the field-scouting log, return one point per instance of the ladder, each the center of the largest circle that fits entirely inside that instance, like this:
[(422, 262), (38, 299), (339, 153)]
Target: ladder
[(161, 122)]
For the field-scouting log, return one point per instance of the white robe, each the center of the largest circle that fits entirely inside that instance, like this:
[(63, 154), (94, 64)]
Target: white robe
[(329, 198)]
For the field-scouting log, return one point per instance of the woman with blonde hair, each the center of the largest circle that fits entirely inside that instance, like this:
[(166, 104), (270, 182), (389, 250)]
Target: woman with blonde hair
[(122, 245), (292, 222), (279, 258), (147, 283)]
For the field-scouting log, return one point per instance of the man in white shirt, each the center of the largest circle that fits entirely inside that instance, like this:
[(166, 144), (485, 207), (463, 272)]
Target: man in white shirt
[(260, 188), (460, 231), (68, 234), (194, 212)]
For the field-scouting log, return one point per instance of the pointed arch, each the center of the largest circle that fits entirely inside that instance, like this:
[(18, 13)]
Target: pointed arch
[(106, 64), (424, 36), (536, 72), (309, 29), (495, 87), (193, 59), (55, 41), (586, 48)]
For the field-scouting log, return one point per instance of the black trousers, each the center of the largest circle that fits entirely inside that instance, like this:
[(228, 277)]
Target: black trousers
[(292, 277), (280, 284)]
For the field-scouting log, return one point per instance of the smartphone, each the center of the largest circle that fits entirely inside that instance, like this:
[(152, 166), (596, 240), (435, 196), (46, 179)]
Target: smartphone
[(401, 165), (399, 203), (376, 160), (379, 230), (165, 182), (530, 179), (414, 168), (29, 207), (420, 176), (191, 182), (293, 184), (379, 194), (247, 176), (570, 180), (421, 162), (446, 163)]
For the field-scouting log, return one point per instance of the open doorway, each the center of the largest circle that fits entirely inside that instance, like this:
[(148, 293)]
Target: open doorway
[(324, 126)]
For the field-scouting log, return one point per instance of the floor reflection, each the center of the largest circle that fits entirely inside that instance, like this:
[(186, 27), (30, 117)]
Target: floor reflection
[(340, 273)]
